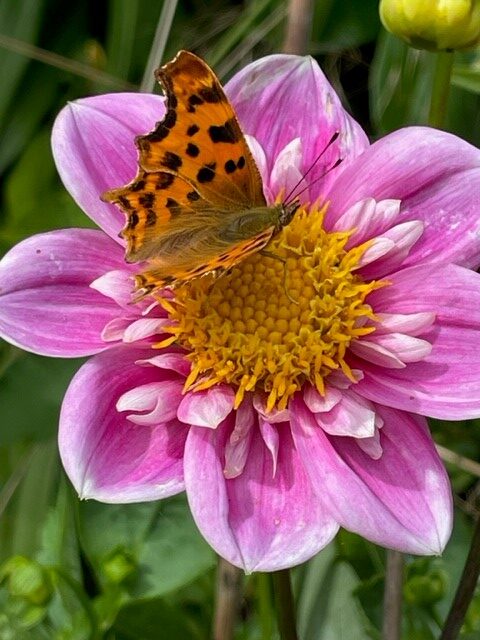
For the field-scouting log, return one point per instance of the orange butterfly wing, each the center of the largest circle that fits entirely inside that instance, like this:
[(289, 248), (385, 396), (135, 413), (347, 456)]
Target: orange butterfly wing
[(200, 138), (195, 172)]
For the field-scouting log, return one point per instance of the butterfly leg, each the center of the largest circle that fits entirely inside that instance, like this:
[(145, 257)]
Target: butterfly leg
[(274, 256)]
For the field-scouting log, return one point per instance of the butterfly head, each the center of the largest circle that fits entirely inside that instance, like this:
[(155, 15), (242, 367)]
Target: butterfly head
[(286, 213)]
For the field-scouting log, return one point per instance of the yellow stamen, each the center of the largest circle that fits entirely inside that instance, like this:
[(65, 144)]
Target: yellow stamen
[(246, 330)]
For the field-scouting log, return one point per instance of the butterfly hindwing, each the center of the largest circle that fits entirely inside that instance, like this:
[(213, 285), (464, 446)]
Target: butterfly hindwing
[(217, 258), (200, 139), (152, 202)]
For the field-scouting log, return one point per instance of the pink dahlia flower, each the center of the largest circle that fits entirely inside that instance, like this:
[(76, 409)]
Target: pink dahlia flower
[(286, 401)]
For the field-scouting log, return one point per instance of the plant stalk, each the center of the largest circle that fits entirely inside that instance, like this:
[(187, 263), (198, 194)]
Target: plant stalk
[(392, 598), (440, 89), (227, 601), (265, 605), (465, 589), (284, 605), (299, 25)]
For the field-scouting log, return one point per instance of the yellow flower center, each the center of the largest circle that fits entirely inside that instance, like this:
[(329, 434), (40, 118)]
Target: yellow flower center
[(276, 321)]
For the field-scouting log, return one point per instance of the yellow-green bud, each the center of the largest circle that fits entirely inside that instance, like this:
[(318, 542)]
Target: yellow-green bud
[(436, 25), (27, 579)]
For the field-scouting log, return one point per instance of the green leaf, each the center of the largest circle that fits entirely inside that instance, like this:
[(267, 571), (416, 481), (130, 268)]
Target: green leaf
[(162, 537), (121, 36), (23, 120), (152, 620), (59, 540), (343, 25), (327, 607), (35, 200), (20, 19), (400, 84), (33, 498), (31, 393), (466, 77)]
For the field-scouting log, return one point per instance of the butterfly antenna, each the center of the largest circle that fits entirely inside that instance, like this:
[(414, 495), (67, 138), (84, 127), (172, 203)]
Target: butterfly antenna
[(334, 166), (329, 144)]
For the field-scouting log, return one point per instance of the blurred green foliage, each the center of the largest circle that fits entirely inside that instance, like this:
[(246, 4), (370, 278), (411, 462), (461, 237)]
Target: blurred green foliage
[(71, 570)]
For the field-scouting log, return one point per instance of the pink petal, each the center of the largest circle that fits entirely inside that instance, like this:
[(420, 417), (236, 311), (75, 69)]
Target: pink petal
[(411, 323), (369, 219), (145, 328), (432, 173), (47, 305), (105, 456), (403, 237), (317, 403), (271, 439), (237, 446), (402, 500), (170, 361), (391, 350), (117, 285), (352, 416), (274, 84), (287, 172), (93, 146), (446, 383), (158, 400), (255, 521), (206, 408), (113, 331)]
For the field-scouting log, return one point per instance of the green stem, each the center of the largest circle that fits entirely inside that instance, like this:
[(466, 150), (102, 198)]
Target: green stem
[(440, 89), (284, 605), (265, 606), (84, 601), (465, 590)]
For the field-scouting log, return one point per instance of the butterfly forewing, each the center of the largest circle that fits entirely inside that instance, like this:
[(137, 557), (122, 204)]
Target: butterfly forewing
[(197, 203), (200, 138)]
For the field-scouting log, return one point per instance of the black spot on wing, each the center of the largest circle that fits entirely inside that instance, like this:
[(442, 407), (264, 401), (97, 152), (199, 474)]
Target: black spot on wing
[(138, 185), (227, 132), (151, 218), (241, 162), (124, 202), (230, 166), (171, 161), (193, 196), (133, 220), (193, 101), (211, 94), (207, 172), (192, 130), (147, 200), (164, 180), (192, 150)]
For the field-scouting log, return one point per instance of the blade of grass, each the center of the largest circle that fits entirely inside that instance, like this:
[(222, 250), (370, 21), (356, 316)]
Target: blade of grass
[(123, 15), (241, 29), (158, 46), (65, 64)]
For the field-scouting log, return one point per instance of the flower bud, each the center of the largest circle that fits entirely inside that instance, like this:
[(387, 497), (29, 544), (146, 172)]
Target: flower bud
[(435, 25), (118, 566), (28, 580), (425, 590)]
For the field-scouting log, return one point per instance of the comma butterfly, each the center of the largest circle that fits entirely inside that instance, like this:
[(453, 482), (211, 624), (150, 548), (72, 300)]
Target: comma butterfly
[(196, 204)]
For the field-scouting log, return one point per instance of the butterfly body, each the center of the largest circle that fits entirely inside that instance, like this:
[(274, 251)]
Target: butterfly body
[(196, 205)]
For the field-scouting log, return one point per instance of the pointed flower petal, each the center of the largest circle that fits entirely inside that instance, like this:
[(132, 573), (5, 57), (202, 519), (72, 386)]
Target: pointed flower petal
[(93, 146), (47, 305), (273, 85), (402, 501), (256, 521), (106, 456)]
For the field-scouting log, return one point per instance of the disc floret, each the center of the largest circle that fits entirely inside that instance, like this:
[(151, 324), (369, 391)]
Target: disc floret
[(280, 319)]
